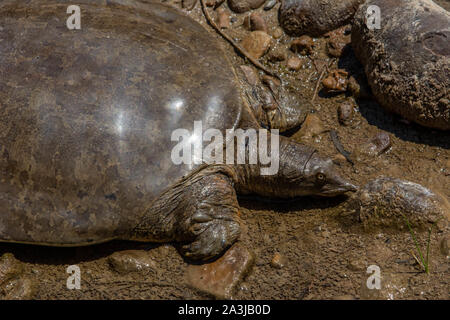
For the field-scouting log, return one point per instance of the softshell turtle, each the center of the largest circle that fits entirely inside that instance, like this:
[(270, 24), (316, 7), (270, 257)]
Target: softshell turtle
[(86, 118)]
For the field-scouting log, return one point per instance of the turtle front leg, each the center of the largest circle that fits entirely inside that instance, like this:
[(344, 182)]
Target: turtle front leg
[(200, 212), (210, 221)]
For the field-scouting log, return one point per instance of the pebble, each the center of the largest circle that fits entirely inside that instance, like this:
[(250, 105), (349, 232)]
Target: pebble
[(13, 286), (277, 33), (221, 277), (444, 245), (257, 43), (378, 144), (358, 88), (294, 63), (132, 261), (250, 74), (278, 261), (277, 54), (270, 4), (223, 18), (303, 45), (345, 113), (241, 6), (311, 127), (385, 202), (338, 41), (255, 22), (188, 4), (336, 81)]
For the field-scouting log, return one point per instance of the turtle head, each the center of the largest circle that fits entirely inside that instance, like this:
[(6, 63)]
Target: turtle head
[(302, 171), (320, 177)]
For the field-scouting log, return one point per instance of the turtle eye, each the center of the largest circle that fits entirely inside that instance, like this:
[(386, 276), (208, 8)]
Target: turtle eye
[(320, 177)]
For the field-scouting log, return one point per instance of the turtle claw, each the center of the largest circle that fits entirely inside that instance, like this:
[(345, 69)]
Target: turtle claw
[(212, 241)]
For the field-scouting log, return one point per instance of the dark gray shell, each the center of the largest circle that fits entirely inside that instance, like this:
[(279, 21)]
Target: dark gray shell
[(86, 116)]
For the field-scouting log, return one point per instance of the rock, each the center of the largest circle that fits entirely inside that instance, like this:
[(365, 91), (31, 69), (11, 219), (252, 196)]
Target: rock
[(375, 146), (303, 45), (278, 261), (18, 289), (241, 6), (250, 74), (294, 63), (270, 4), (223, 18), (277, 33), (356, 265), (188, 4), (13, 284), (315, 18), (254, 22), (338, 41), (407, 64), (386, 202), (311, 127), (10, 267), (345, 113), (221, 277), (277, 54), (444, 245), (336, 81), (257, 43), (132, 261), (358, 88)]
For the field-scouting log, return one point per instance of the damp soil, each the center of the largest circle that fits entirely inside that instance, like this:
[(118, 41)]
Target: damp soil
[(326, 250)]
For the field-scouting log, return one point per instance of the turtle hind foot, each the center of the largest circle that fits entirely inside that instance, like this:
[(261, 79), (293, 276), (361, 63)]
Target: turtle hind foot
[(210, 223)]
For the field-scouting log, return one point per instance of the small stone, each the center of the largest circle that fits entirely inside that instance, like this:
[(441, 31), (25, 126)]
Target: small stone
[(223, 18), (303, 45), (18, 289), (10, 267), (278, 261), (188, 4), (250, 74), (345, 113), (254, 22), (444, 245), (257, 43), (221, 277), (277, 54), (311, 127), (131, 261), (277, 33), (338, 41), (336, 81), (270, 4), (358, 89), (375, 146), (294, 63), (241, 6), (356, 265)]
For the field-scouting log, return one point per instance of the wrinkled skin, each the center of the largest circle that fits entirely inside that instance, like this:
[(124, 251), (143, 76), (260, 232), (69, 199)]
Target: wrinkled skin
[(408, 64), (87, 118)]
